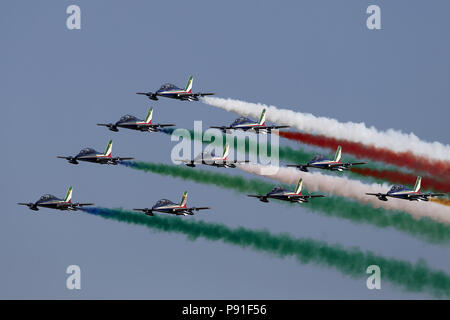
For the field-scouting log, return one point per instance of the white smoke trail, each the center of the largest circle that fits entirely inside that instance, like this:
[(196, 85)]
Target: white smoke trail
[(351, 131), (356, 190)]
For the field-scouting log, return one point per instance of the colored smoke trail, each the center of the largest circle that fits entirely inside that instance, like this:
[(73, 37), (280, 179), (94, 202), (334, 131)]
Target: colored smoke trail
[(444, 201), (353, 262), (428, 183), (394, 140), (426, 229), (401, 159), (356, 190), (369, 170)]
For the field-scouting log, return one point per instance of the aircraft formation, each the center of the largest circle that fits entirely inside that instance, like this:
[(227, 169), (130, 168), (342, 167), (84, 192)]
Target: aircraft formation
[(171, 91)]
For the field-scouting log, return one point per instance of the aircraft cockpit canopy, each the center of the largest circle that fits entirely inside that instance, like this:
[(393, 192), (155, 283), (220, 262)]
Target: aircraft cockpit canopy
[(47, 197), (277, 189), (128, 117), (87, 151), (240, 120), (318, 157), (168, 86), (163, 202), (397, 187)]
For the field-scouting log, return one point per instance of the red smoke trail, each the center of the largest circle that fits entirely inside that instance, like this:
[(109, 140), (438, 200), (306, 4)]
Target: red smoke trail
[(438, 168), (428, 183), (445, 202)]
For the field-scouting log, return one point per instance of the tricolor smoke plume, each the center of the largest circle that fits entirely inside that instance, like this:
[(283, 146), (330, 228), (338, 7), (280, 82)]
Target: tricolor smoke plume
[(356, 190), (370, 170), (353, 262), (437, 168), (426, 229), (357, 132), (429, 183)]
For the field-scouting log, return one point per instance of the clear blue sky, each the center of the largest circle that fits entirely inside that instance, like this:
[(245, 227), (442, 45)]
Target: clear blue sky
[(311, 56)]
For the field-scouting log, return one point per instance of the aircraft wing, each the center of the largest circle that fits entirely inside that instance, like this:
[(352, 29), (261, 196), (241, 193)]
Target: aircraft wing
[(304, 196), (147, 211), (348, 164), (276, 127), (73, 205), (197, 94), (301, 167), (197, 208), (122, 159), (26, 204), (150, 95), (425, 195), (156, 125), (311, 196), (380, 196), (30, 205), (241, 161), (223, 128), (188, 161), (72, 160), (83, 204), (188, 211), (202, 94), (261, 197)]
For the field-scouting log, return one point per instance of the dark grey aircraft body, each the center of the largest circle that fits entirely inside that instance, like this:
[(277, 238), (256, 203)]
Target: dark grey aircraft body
[(281, 193), (91, 155), (167, 206), (133, 123), (169, 90), (52, 202)]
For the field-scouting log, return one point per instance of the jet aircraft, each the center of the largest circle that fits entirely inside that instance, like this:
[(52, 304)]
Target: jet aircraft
[(321, 162), (133, 123), (169, 90), (212, 160), (52, 202), (90, 155), (246, 124), (280, 193), (402, 192), (167, 206)]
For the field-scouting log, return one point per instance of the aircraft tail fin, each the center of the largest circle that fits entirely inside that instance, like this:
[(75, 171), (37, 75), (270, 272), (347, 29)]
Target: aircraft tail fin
[(417, 185), (189, 84), (109, 149), (262, 119), (226, 151), (298, 190), (184, 199), (148, 118), (337, 156), (68, 197)]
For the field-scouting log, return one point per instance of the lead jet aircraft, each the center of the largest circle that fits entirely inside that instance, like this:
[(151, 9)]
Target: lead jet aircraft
[(169, 90), (246, 124), (133, 123), (402, 192), (167, 206), (281, 193), (90, 155), (320, 162), (211, 159), (52, 202)]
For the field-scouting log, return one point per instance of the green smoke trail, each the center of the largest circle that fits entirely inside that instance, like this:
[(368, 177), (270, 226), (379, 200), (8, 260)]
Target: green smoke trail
[(416, 277), (333, 206)]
